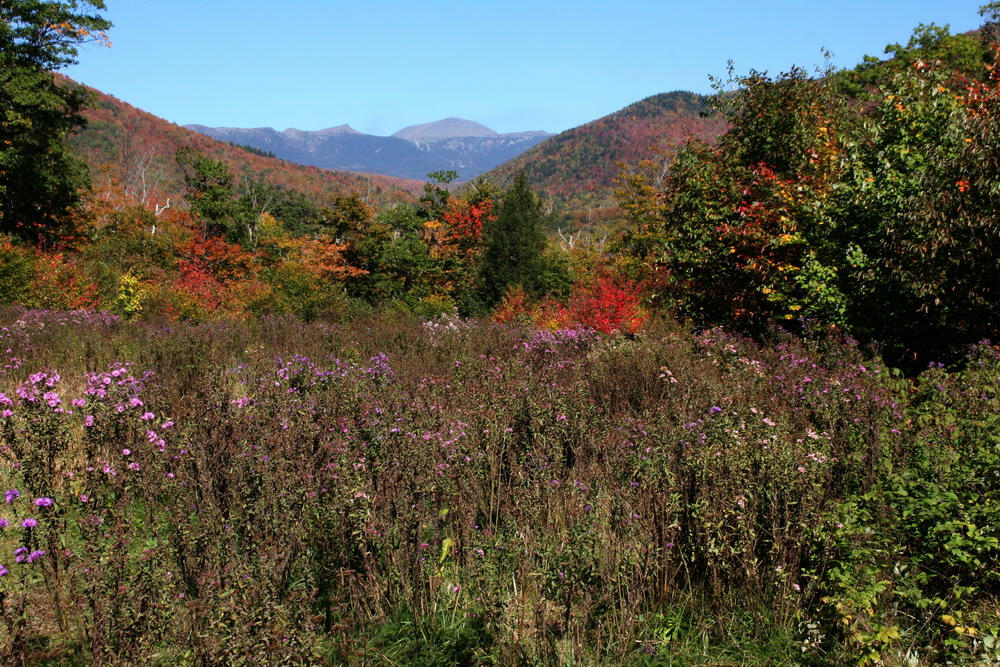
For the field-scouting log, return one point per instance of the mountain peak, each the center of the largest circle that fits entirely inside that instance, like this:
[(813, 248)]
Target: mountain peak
[(453, 143), (322, 134), (445, 129)]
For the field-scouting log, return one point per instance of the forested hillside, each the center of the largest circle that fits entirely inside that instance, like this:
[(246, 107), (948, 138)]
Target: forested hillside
[(129, 148), (577, 168)]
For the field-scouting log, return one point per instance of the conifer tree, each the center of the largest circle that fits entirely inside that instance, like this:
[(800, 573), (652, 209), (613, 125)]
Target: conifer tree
[(39, 176), (514, 245)]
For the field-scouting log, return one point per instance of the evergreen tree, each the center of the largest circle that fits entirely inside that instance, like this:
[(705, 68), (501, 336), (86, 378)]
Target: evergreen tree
[(210, 193), (39, 176), (514, 245)]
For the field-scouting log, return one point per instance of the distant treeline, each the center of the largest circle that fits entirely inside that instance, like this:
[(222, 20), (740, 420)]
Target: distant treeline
[(251, 149)]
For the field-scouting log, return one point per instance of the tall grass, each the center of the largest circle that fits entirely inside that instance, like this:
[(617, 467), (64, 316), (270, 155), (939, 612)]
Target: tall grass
[(394, 492)]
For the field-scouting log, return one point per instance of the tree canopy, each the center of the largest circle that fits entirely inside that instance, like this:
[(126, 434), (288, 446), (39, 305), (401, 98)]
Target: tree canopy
[(39, 176), (514, 244), (875, 213)]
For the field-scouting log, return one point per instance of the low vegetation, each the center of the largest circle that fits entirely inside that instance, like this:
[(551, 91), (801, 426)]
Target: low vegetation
[(446, 492)]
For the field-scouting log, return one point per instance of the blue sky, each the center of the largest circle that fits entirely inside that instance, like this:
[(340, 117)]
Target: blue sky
[(380, 65)]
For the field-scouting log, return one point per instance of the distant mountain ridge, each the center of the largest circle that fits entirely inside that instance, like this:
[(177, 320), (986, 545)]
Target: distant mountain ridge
[(464, 146)]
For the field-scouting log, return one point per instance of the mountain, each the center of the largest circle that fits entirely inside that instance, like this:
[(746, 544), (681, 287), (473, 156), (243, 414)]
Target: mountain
[(413, 152), (576, 168), (445, 129), (132, 148)]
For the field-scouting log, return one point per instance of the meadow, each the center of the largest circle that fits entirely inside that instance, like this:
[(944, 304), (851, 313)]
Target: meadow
[(398, 491)]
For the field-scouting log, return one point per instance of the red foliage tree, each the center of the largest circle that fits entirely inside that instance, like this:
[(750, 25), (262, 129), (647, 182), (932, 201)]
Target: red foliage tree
[(608, 305)]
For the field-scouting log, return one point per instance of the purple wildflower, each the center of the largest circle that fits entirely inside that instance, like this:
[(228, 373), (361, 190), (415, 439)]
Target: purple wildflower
[(27, 393), (43, 502), (20, 554), (35, 555), (29, 523), (12, 495)]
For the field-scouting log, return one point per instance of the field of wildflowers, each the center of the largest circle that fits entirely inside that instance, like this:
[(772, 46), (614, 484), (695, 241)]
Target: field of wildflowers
[(406, 492)]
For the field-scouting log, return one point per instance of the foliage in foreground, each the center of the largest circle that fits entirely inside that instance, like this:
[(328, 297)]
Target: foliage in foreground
[(453, 492), (39, 175), (876, 212)]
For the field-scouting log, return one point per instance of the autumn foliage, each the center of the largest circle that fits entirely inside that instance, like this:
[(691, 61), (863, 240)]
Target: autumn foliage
[(875, 213), (609, 304)]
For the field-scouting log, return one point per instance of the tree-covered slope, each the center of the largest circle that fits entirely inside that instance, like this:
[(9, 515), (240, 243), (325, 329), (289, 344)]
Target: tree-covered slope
[(129, 147), (578, 167)]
